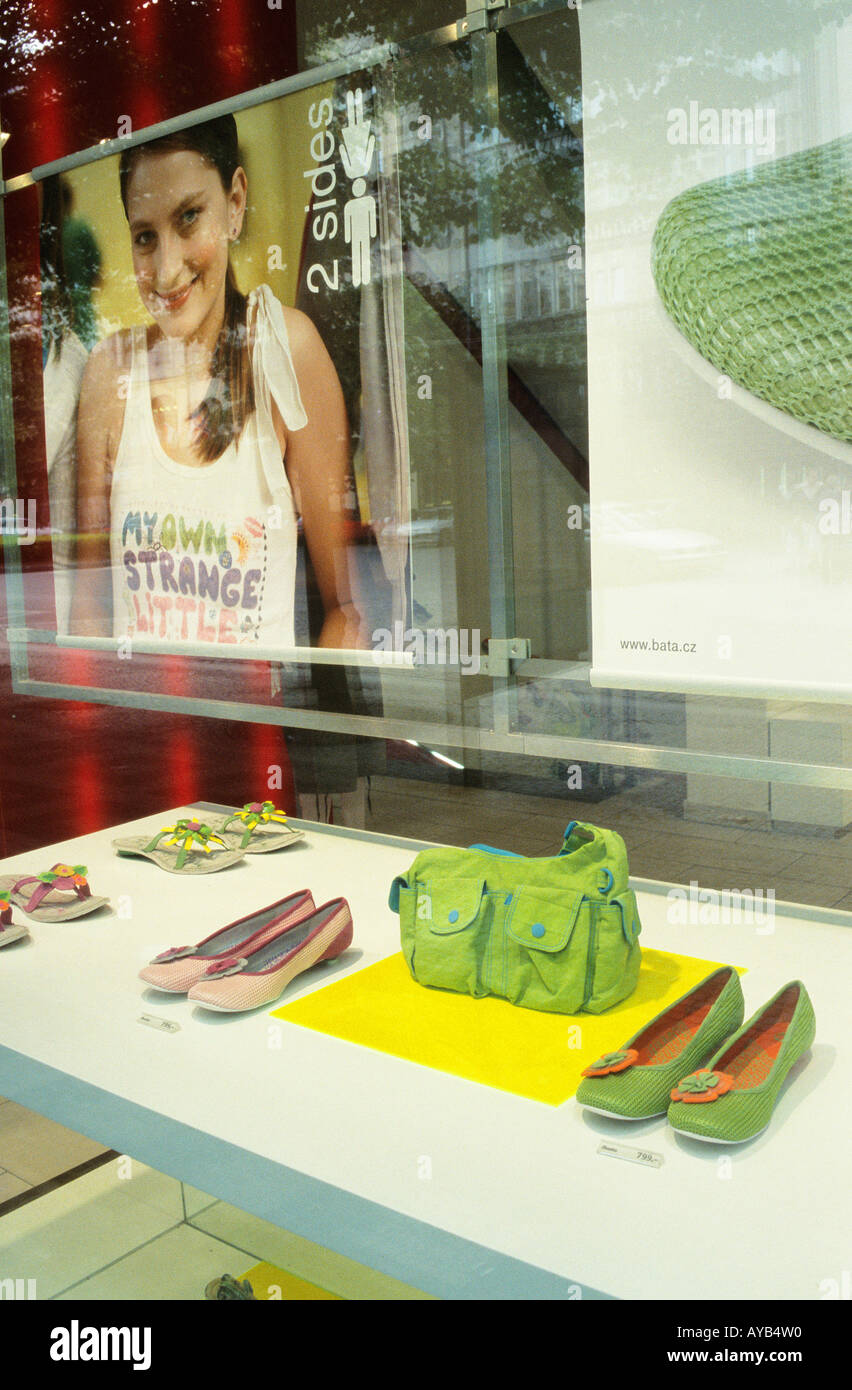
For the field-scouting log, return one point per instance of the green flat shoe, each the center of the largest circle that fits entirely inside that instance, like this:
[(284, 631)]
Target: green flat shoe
[(733, 1098), (635, 1083)]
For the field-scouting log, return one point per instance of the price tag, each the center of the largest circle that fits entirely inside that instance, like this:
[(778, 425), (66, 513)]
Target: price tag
[(631, 1155), (162, 1023)]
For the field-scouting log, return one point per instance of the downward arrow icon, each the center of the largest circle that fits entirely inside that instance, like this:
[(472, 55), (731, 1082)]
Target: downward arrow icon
[(358, 143)]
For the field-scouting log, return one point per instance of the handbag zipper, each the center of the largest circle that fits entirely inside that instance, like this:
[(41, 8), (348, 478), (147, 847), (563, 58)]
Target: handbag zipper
[(590, 958)]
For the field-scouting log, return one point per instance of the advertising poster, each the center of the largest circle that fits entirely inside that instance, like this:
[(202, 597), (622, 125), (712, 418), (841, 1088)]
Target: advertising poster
[(224, 402), (719, 265)]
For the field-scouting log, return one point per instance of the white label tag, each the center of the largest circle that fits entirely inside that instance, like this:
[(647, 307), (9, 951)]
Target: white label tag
[(162, 1023), (644, 1156)]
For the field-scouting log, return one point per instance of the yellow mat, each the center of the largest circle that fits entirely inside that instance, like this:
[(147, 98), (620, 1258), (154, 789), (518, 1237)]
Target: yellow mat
[(272, 1284), (532, 1054)]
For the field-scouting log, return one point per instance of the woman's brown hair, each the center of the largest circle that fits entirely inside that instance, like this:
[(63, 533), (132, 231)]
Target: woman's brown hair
[(229, 401)]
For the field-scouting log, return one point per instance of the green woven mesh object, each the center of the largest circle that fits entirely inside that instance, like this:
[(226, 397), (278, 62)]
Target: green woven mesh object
[(755, 269)]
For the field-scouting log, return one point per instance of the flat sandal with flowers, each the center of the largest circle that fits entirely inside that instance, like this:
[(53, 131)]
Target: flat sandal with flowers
[(9, 931), (635, 1082), (258, 828), (188, 847), (56, 895)]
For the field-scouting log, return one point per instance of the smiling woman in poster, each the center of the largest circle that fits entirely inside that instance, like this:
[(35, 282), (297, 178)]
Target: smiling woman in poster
[(203, 434)]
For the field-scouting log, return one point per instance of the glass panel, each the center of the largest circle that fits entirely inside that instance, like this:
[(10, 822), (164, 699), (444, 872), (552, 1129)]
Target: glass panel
[(540, 185), (465, 503), (437, 124), (406, 352), (740, 735), (157, 547), (716, 247)]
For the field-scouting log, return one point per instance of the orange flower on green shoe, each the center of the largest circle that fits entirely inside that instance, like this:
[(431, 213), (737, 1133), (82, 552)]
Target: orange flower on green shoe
[(702, 1086), (612, 1062)]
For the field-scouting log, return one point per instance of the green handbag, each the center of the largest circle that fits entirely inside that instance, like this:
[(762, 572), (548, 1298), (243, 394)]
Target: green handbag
[(558, 934)]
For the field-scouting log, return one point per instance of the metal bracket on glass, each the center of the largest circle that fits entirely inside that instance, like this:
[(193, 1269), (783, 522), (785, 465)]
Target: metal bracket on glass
[(504, 651), (478, 16)]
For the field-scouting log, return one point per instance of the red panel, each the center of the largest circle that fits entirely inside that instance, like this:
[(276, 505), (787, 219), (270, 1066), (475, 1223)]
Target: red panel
[(70, 70)]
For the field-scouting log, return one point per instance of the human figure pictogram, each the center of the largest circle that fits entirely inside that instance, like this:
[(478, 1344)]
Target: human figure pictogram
[(359, 227)]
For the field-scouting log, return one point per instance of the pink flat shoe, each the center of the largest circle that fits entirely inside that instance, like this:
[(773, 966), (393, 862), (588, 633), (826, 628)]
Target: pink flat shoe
[(175, 971), (260, 976)]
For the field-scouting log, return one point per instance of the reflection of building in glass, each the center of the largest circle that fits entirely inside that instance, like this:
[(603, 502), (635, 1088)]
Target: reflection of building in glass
[(494, 229), (538, 258)]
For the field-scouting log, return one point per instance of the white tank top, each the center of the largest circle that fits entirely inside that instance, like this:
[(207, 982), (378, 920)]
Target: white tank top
[(208, 554)]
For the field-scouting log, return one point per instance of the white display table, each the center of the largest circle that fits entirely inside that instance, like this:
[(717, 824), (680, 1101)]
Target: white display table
[(328, 1140)]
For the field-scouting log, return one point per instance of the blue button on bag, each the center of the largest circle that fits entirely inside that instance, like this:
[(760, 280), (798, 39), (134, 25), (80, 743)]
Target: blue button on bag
[(453, 916), (537, 929)]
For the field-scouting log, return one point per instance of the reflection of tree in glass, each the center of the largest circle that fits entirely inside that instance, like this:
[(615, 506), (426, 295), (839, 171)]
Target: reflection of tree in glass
[(56, 308), (331, 29), (530, 162), (531, 155)]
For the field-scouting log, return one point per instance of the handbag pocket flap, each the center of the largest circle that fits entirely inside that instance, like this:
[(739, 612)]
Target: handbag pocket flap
[(451, 905), (543, 920)]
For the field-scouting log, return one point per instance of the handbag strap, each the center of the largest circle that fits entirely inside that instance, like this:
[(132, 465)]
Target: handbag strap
[(607, 876), (504, 853), (569, 831)]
